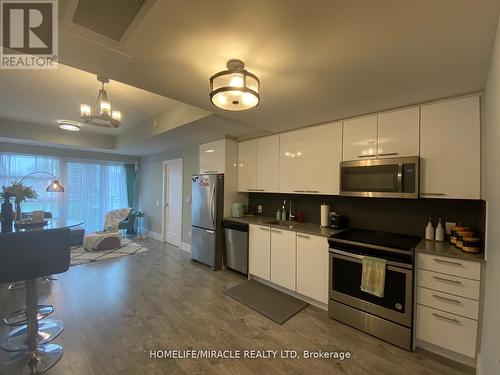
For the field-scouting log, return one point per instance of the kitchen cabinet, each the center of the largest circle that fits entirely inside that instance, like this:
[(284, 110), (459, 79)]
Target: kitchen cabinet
[(268, 163), (283, 258), (450, 149), (292, 162), (247, 165), (259, 251), (312, 266), (212, 157), (448, 295), (360, 138), (258, 163), (323, 157), (398, 133)]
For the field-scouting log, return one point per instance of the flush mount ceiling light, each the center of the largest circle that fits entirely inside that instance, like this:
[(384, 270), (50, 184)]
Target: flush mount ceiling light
[(102, 115), (71, 126), (234, 89)]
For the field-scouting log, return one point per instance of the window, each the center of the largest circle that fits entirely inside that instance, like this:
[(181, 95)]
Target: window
[(92, 188)]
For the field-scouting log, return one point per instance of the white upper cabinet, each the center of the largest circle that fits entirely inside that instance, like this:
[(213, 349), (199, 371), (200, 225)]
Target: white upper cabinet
[(258, 164), (360, 138), (247, 165), (213, 157), (450, 149), (268, 159), (398, 133), (323, 156), (292, 163)]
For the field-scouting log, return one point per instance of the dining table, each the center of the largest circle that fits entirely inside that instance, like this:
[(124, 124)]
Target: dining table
[(50, 223)]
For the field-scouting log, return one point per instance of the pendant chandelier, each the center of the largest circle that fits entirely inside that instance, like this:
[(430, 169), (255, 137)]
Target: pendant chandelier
[(234, 89), (102, 115)]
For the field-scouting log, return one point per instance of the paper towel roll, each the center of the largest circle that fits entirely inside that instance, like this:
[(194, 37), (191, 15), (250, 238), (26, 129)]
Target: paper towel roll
[(325, 215)]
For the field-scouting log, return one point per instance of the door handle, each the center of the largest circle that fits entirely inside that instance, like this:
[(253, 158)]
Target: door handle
[(210, 231), (434, 194), (447, 280), (302, 236), (275, 231), (388, 154), (313, 191), (299, 191), (447, 262), (437, 296), (446, 318), (366, 156), (264, 228)]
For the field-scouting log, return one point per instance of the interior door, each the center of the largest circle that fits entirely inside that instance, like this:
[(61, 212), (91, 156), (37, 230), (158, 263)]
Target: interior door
[(173, 203)]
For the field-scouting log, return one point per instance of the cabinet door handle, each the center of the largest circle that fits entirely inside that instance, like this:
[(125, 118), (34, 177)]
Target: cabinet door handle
[(275, 231), (446, 318), (434, 194), (264, 228), (388, 154), (259, 189), (299, 191), (366, 156), (210, 171), (251, 189), (302, 236), (437, 296), (447, 262), (447, 280), (313, 191)]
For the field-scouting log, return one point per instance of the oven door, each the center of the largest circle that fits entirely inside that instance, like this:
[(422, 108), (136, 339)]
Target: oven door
[(345, 287), (380, 178)]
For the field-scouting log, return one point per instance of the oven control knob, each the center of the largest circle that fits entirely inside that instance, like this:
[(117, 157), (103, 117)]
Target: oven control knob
[(398, 306)]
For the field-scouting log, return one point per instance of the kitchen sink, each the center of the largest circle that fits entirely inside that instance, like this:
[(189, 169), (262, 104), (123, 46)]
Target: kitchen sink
[(284, 223)]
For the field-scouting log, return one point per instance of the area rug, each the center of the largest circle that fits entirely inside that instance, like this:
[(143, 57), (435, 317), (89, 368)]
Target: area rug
[(272, 303), (80, 256)]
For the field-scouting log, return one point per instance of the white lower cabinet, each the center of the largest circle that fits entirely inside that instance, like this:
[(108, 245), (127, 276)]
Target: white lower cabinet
[(448, 294), (312, 266), (283, 258), (259, 251), (450, 331)]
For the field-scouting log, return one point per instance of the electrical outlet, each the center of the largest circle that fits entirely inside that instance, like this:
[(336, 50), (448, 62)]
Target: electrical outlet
[(448, 226), (259, 209)]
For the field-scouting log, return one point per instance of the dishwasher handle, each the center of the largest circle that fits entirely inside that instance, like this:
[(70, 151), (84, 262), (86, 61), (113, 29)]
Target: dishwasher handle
[(242, 227)]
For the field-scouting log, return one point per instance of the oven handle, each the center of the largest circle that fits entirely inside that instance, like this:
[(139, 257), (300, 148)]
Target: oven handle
[(359, 259)]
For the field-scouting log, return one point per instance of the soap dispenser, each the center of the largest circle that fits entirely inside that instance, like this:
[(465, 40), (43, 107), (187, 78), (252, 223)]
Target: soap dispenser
[(429, 231), (440, 231), (278, 214)]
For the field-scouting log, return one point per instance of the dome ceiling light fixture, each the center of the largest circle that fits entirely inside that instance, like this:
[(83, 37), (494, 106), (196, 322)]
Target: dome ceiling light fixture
[(69, 125), (102, 114), (234, 89)]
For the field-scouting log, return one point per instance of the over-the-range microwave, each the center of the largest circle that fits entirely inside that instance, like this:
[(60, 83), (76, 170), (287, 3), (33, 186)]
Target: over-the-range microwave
[(380, 178)]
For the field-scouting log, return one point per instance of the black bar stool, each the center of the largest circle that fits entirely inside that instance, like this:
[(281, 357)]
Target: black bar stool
[(28, 256)]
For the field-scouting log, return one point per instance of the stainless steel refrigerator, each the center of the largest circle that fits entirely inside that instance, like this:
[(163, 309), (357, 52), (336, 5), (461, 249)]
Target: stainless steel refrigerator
[(207, 210)]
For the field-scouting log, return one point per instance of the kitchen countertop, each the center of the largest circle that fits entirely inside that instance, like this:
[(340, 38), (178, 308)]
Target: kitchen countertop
[(446, 249), (308, 228)]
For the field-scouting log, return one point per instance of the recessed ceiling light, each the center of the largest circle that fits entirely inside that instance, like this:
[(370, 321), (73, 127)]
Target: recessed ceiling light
[(69, 125)]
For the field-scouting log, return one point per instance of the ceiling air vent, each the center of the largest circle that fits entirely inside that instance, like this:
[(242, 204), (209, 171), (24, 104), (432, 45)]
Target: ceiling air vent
[(107, 17)]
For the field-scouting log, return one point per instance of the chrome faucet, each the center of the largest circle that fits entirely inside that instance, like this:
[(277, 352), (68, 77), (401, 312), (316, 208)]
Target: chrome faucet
[(291, 216)]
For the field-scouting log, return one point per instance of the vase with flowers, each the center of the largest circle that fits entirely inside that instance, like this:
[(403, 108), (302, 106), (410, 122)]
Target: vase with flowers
[(20, 193)]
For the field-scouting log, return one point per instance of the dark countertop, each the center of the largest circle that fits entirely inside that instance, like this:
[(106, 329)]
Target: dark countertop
[(308, 228), (446, 249)]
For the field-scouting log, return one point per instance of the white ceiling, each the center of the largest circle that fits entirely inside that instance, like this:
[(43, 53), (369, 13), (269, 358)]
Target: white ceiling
[(318, 60), (44, 96)]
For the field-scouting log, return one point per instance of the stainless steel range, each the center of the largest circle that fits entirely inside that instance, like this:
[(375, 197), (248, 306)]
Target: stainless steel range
[(389, 317)]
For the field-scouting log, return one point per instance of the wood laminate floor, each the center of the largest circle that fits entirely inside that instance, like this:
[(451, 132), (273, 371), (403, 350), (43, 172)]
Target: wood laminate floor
[(117, 310)]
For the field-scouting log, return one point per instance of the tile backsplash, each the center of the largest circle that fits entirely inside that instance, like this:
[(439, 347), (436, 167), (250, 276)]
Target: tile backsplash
[(407, 216)]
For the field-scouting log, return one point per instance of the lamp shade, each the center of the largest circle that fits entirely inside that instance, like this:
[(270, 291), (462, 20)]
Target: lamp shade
[(234, 89), (55, 187)]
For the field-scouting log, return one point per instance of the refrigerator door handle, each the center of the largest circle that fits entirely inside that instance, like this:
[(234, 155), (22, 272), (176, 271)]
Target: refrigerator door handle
[(212, 213)]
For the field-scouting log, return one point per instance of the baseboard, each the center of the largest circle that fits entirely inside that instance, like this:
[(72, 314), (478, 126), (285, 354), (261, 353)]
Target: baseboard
[(457, 357), (154, 235), (186, 247), (309, 300)]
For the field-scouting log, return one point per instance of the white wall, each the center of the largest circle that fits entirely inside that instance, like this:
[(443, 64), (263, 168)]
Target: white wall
[(489, 356), (150, 184)]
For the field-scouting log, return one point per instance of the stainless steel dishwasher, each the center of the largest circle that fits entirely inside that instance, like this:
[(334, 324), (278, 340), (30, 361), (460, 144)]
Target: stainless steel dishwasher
[(236, 246)]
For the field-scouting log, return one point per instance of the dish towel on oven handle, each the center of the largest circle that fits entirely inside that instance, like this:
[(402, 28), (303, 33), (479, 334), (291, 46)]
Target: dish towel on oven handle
[(373, 277)]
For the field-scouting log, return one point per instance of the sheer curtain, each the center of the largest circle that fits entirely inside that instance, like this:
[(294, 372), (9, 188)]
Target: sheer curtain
[(92, 188)]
